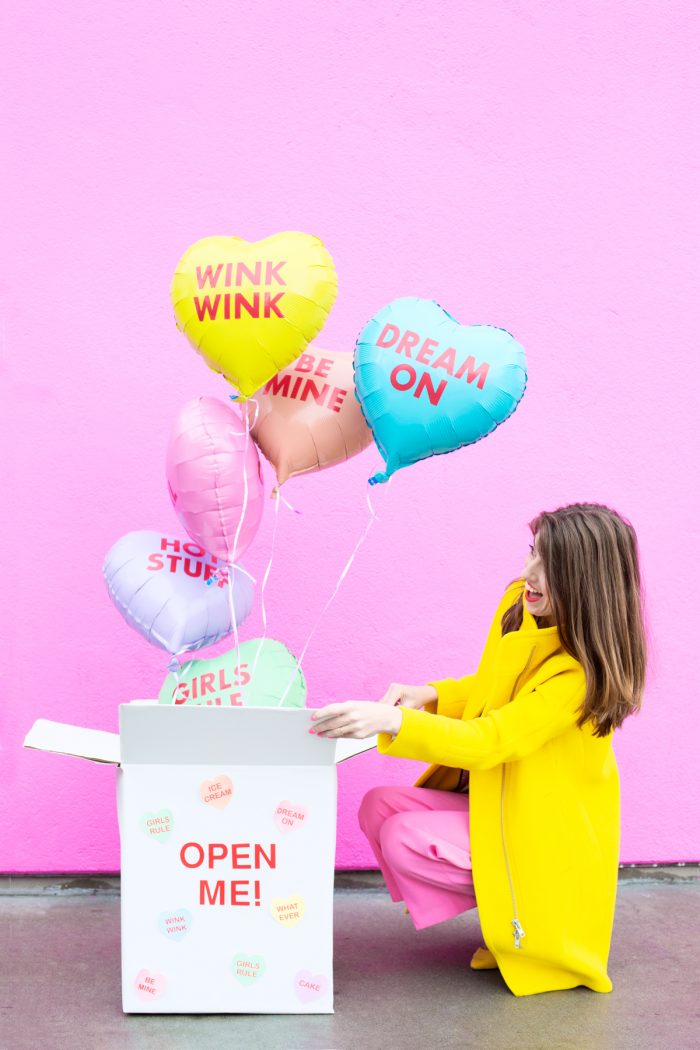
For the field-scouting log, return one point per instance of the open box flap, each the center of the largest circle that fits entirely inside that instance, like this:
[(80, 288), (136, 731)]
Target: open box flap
[(243, 735), (95, 745), (163, 734), (346, 748)]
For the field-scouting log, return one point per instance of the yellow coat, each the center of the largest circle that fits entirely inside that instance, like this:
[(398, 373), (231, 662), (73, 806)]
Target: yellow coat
[(544, 804)]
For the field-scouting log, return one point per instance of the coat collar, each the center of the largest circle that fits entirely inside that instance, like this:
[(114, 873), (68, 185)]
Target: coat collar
[(531, 643)]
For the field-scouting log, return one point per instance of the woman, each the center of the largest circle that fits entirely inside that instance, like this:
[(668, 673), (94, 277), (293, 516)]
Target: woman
[(524, 746)]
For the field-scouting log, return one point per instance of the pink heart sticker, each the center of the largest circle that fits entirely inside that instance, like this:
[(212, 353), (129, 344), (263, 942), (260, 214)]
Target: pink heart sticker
[(216, 792), (309, 986), (290, 815), (149, 985)]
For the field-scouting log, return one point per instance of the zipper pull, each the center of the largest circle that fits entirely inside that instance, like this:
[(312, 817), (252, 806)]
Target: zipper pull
[(518, 932)]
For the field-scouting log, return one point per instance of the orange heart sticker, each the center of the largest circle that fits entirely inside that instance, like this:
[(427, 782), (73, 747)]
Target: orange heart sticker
[(216, 792)]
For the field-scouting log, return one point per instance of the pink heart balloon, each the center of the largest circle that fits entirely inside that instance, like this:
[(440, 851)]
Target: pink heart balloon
[(215, 478)]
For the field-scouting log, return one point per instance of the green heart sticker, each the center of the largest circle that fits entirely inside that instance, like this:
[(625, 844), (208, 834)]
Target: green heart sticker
[(158, 826), (247, 969), (265, 671)]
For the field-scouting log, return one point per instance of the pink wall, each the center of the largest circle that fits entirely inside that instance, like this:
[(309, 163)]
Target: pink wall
[(530, 165)]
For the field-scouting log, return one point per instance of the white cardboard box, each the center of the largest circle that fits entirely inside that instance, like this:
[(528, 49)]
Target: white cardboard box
[(227, 819)]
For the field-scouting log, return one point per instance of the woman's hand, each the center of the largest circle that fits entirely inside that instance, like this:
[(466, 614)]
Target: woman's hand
[(362, 718), (415, 696), (357, 719)]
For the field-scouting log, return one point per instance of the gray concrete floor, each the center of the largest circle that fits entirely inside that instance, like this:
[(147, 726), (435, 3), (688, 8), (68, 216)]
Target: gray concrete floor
[(396, 988)]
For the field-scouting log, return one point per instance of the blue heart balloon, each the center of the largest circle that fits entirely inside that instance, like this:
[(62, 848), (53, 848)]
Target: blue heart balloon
[(428, 385)]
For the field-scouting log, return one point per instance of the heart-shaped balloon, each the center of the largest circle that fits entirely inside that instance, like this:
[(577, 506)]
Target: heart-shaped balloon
[(258, 678), (174, 593), (215, 478), (307, 418), (428, 385), (251, 308)]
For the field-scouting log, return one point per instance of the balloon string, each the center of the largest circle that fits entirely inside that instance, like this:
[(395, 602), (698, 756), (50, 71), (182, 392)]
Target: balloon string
[(244, 507), (264, 582), (373, 517), (178, 671), (277, 494), (175, 669)]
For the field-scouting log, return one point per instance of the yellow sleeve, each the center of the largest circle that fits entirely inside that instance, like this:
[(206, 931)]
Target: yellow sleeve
[(503, 735), (452, 696)]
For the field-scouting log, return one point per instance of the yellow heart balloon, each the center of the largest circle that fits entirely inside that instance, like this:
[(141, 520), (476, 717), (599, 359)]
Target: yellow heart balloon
[(250, 308)]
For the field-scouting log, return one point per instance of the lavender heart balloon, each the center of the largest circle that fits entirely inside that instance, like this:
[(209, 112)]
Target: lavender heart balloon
[(174, 593)]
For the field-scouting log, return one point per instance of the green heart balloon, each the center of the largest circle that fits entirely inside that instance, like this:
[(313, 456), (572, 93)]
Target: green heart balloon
[(264, 671)]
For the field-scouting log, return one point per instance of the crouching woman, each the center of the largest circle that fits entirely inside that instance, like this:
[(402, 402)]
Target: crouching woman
[(519, 810)]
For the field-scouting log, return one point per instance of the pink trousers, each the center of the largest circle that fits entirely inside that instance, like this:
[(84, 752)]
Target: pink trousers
[(420, 838)]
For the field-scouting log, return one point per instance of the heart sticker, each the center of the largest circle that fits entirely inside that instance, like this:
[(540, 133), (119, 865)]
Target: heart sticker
[(217, 792), (290, 815), (149, 985), (228, 680), (250, 309), (287, 911), (429, 385), (248, 969), (159, 825), (309, 986), (175, 925)]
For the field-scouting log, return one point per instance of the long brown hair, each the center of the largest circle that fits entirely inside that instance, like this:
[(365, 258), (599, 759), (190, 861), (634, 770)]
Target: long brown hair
[(591, 565)]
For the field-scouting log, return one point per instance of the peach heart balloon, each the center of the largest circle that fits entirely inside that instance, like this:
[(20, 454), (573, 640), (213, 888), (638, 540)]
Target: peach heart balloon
[(250, 308), (309, 417)]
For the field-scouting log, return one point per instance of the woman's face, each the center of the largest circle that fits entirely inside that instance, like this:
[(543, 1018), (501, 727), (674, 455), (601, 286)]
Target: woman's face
[(536, 592)]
